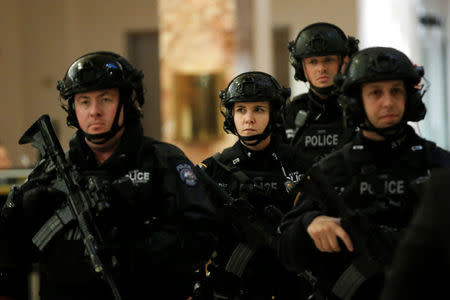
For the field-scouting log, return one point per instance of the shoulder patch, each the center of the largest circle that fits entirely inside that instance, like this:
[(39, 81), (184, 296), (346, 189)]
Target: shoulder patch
[(187, 174)]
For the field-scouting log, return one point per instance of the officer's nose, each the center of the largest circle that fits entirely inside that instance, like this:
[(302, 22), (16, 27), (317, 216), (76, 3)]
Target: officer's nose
[(322, 67), (95, 108), (387, 100), (249, 117)]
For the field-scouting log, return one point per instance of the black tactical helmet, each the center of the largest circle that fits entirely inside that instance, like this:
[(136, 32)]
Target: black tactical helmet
[(102, 70), (253, 87), (319, 39), (379, 64)]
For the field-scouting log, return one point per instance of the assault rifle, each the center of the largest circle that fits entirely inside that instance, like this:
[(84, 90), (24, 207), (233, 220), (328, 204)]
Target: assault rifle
[(257, 228), (79, 201)]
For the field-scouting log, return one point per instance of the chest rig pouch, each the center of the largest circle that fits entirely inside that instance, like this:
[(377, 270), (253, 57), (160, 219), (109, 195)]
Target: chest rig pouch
[(390, 187), (261, 187), (317, 140)]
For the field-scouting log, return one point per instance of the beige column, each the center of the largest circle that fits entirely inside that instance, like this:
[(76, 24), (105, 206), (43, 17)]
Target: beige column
[(262, 36)]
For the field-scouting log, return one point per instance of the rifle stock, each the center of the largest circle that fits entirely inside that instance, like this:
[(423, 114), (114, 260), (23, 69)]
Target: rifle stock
[(42, 136)]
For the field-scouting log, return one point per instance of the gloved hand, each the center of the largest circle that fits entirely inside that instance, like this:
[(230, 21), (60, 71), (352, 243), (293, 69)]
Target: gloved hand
[(40, 202)]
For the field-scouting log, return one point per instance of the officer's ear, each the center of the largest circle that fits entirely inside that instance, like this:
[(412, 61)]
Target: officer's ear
[(345, 61), (302, 61), (352, 111)]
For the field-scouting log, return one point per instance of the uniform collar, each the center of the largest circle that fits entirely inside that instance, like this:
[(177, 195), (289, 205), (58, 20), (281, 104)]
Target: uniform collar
[(385, 154), (387, 147), (327, 108), (81, 155), (240, 153)]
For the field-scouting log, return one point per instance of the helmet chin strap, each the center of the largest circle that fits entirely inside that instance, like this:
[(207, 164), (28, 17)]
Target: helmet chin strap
[(388, 133), (325, 91), (102, 138), (257, 138)]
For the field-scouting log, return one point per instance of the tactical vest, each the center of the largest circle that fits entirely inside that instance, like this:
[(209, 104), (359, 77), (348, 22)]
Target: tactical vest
[(274, 187), (388, 186), (259, 267), (317, 140), (312, 135), (385, 195)]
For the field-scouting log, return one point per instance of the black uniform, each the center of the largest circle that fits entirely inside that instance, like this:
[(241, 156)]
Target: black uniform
[(315, 126), (373, 180), (260, 177), (157, 230), (421, 267)]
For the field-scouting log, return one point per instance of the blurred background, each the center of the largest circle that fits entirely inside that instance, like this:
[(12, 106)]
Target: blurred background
[(191, 49)]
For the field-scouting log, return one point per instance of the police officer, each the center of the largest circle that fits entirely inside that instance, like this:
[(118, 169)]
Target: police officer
[(313, 121), (158, 226), (261, 170), (357, 200)]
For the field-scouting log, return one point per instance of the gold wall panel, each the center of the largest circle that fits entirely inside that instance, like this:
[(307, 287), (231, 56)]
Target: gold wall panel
[(197, 106)]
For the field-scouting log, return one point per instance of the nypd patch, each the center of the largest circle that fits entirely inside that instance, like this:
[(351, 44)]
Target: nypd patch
[(187, 175)]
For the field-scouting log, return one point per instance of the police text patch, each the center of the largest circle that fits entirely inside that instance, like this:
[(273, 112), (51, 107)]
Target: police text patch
[(139, 177)]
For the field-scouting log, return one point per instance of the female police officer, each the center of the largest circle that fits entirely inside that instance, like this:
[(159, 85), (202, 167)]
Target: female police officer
[(158, 222), (259, 169), (357, 200)]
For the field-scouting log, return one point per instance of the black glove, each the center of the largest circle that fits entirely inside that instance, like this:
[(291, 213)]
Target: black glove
[(40, 202)]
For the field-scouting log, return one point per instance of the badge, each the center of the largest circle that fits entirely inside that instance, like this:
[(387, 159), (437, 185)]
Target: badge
[(187, 175)]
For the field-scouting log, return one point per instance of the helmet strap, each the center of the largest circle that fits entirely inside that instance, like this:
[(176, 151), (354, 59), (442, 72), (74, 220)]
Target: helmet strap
[(257, 138), (389, 133), (102, 138), (325, 91)]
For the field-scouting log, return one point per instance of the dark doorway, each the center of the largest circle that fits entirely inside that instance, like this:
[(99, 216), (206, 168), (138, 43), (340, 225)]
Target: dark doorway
[(281, 54), (143, 52)]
